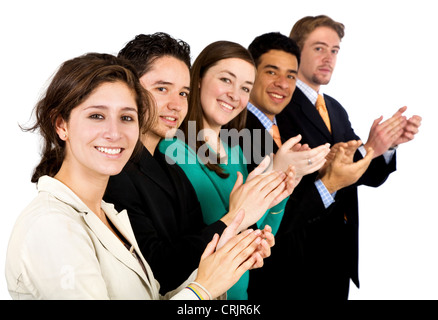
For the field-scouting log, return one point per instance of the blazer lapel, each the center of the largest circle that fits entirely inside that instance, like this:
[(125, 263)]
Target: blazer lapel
[(151, 168), (266, 140), (309, 110), (115, 246), (335, 121), (108, 240)]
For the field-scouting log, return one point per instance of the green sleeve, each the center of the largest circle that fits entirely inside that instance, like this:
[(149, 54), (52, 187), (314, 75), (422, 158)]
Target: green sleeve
[(273, 217)]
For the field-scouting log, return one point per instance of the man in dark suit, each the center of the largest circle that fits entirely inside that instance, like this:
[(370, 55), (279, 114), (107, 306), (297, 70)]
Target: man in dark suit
[(330, 247), (277, 59)]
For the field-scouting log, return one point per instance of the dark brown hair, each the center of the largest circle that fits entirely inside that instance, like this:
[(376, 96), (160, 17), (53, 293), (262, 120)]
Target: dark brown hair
[(144, 49), (208, 58), (303, 27), (73, 83)]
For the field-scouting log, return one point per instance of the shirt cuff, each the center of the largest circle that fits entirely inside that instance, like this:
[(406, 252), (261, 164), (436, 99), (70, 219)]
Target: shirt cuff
[(388, 155), (327, 198)]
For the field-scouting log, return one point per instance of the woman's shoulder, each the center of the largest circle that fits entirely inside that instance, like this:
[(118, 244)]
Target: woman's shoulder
[(44, 213)]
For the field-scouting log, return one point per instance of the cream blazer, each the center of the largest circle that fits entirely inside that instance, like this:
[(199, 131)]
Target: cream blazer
[(59, 249)]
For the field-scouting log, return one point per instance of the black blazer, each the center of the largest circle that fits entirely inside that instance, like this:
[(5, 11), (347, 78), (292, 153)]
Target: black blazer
[(165, 215), (304, 207), (316, 257)]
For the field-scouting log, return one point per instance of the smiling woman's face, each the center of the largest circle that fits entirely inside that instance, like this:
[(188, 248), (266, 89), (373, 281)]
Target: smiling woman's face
[(225, 90), (102, 132)]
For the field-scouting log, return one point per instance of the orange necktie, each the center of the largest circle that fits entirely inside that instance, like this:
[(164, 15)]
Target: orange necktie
[(322, 109), (276, 135)]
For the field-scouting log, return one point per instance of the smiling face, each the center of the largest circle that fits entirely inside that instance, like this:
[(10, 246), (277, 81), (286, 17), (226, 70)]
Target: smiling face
[(225, 90), (169, 83), (102, 132), (318, 57), (275, 82)]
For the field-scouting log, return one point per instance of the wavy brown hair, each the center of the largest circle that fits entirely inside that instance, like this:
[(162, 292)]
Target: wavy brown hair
[(73, 83)]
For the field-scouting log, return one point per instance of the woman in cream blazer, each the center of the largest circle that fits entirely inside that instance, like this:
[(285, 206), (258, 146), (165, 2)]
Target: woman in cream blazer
[(59, 249)]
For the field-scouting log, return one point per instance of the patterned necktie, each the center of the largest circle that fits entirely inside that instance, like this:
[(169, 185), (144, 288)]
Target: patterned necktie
[(276, 135), (322, 109)]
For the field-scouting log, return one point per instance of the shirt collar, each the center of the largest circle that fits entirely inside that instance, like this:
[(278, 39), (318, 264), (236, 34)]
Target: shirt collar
[(311, 94), (266, 122)]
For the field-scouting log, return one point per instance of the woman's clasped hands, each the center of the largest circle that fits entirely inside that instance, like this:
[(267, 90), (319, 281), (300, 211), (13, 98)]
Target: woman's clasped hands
[(228, 257)]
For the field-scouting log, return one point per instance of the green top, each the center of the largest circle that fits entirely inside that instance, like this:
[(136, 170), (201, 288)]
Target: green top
[(214, 192)]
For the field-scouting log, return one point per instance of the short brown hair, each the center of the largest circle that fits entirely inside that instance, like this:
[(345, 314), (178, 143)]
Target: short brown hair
[(303, 27)]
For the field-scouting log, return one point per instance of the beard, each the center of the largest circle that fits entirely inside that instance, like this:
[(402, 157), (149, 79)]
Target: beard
[(321, 80)]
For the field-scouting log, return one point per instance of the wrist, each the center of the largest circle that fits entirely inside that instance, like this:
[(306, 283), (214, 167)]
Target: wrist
[(228, 218), (200, 291), (331, 188)]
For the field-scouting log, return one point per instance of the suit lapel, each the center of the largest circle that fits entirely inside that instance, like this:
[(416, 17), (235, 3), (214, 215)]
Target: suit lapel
[(310, 112), (335, 122)]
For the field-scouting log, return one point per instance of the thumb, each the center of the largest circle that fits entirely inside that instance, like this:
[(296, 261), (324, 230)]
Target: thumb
[(260, 168), (377, 121), (232, 229), (291, 142), (235, 224), (369, 156), (211, 247), (239, 181), (339, 154)]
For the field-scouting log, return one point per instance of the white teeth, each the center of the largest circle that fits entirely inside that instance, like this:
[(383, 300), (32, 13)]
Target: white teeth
[(109, 150), (226, 106), (277, 96), (170, 118)]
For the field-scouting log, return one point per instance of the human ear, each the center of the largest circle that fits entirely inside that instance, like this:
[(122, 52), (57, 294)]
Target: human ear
[(61, 128)]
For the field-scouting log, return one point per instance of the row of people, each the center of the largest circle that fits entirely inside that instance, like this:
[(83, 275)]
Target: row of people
[(181, 192)]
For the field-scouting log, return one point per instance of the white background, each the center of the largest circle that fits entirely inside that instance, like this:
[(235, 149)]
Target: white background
[(388, 59)]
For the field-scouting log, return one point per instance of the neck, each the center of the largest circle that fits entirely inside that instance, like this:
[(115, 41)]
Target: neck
[(270, 116), (88, 187), (311, 84)]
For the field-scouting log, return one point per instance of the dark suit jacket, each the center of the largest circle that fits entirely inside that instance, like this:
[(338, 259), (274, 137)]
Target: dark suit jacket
[(304, 208), (318, 255), (165, 215), (301, 208)]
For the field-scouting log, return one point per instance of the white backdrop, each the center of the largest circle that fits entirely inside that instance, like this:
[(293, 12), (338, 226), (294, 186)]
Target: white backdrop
[(388, 59)]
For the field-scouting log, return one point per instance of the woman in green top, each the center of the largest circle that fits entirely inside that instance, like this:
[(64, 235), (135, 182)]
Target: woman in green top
[(221, 80)]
